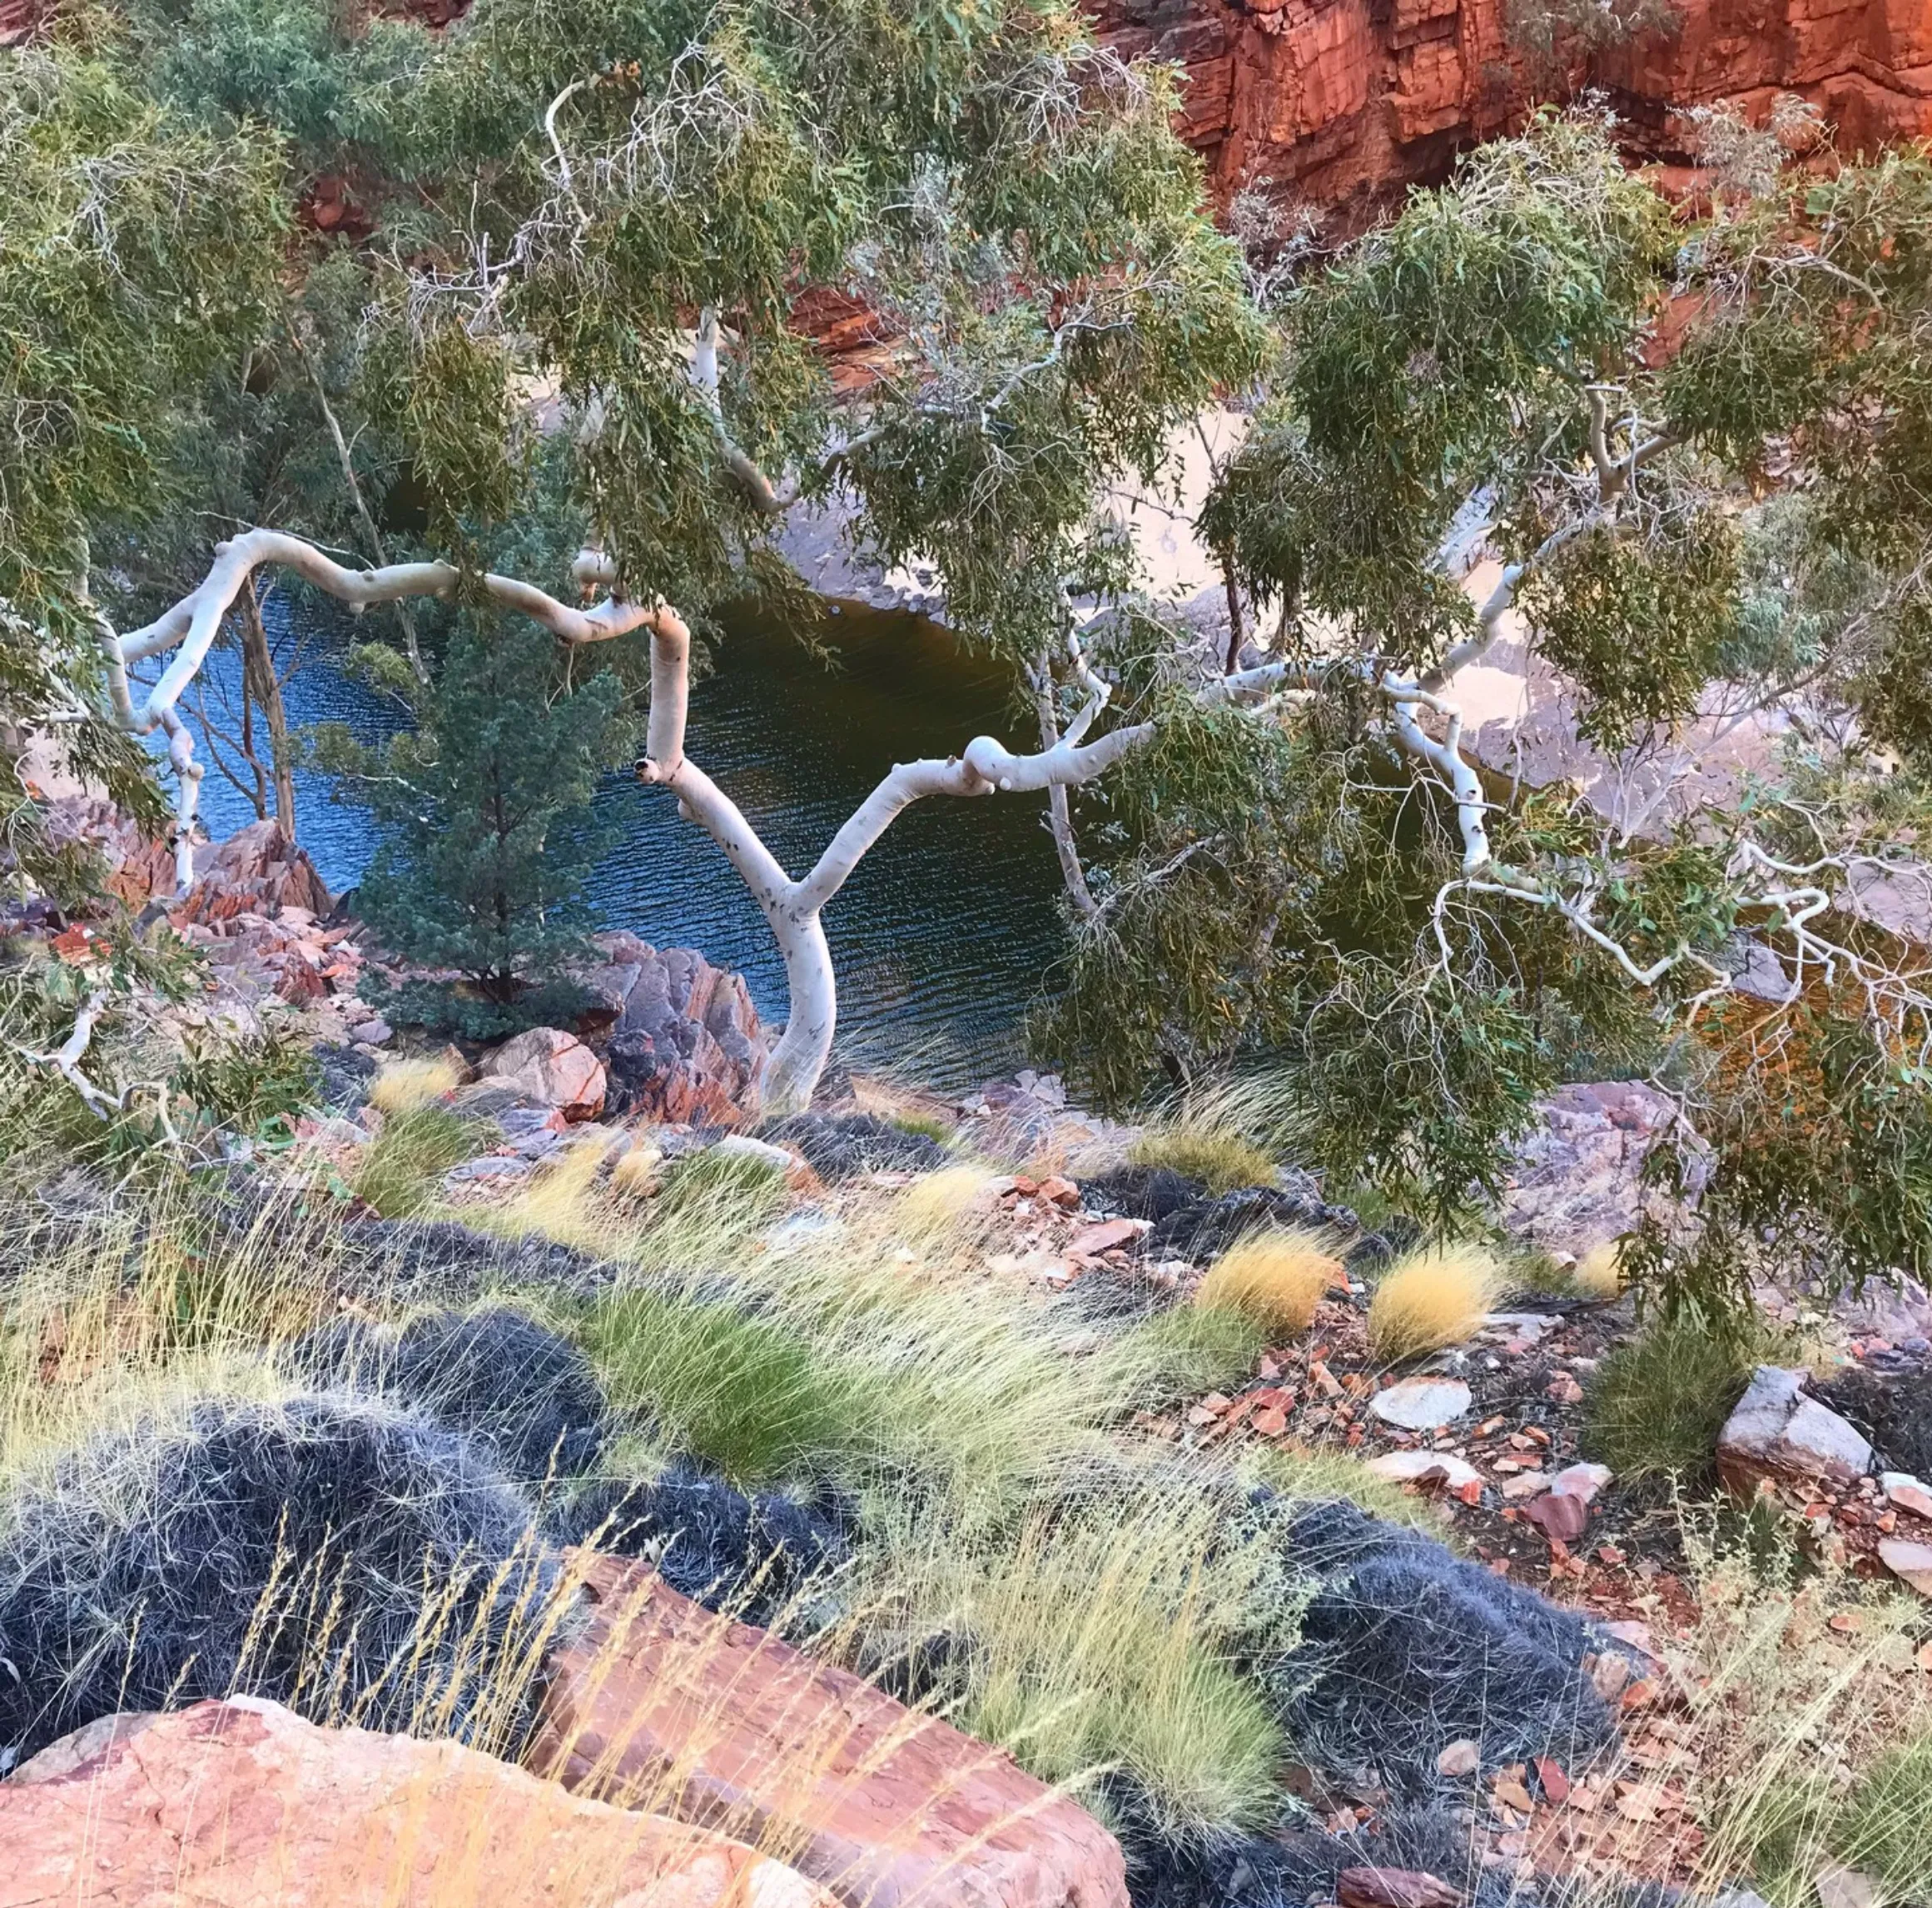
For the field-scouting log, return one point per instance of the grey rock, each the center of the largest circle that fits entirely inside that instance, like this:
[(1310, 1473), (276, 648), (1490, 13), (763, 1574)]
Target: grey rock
[(1776, 1430), (1421, 1403)]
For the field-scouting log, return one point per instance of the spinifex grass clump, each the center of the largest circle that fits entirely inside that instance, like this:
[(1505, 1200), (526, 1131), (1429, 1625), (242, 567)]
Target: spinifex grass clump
[(353, 1561), (1431, 1299), (1660, 1400), (529, 1396), (1276, 1278), (401, 1169)]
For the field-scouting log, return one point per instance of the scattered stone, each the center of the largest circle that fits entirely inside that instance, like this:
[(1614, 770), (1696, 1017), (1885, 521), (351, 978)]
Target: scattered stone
[(1911, 1563), (1777, 1431), (1421, 1467), (1563, 1519), (1902, 1489), (372, 1032), (1528, 1326), (241, 1801), (756, 1152), (1108, 1236), (1461, 1758), (548, 1067), (881, 1805), (1421, 1403), (1061, 1192), (1394, 1888), (1582, 1482), (1839, 1887)]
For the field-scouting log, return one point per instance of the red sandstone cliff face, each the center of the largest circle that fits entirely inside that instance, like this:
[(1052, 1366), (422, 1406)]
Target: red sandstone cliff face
[(1341, 102)]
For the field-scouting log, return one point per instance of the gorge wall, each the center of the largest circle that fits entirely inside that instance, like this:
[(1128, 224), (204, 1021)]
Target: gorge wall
[(1342, 102)]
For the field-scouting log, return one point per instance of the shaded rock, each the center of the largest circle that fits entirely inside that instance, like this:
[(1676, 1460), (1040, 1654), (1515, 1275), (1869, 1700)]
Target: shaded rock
[(1895, 1413), (1206, 1228), (139, 868), (842, 1145), (1911, 1563), (1776, 1430), (1903, 1489), (1421, 1403), (548, 1067), (879, 1804), (242, 1802), (682, 1040), (1142, 1192), (530, 1398)]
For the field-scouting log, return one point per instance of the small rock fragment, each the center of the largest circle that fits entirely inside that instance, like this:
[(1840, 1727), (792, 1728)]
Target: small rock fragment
[(1416, 1467), (1907, 1493), (1910, 1563), (1421, 1403), (1461, 1758), (1394, 1888)]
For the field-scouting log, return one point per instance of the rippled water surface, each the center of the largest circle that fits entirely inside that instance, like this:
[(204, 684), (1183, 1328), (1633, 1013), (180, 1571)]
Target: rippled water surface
[(942, 935)]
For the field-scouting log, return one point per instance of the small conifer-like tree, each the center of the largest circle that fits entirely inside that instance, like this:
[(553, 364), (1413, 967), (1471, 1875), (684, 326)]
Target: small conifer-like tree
[(488, 802)]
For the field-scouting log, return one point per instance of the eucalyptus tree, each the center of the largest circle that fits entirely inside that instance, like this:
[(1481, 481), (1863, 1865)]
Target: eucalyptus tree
[(609, 214), (1700, 454)]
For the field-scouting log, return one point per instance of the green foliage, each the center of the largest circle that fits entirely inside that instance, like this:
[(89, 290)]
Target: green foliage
[(1221, 1159), (256, 1084), (1184, 1352), (488, 802), (1658, 1404), (1643, 627), (136, 253), (1886, 1831), (745, 1395), (403, 1166)]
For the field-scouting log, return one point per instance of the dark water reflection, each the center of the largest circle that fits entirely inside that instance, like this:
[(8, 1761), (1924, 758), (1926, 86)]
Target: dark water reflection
[(941, 936)]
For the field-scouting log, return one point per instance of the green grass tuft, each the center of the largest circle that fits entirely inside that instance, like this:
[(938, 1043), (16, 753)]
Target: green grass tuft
[(1886, 1829), (405, 1162), (1660, 1400), (1223, 1159)]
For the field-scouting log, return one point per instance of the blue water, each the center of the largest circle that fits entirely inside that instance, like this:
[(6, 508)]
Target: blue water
[(942, 935)]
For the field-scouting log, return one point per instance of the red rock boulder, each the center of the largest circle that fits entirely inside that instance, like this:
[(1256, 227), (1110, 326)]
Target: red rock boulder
[(258, 870), (660, 1703), (683, 1040), (241, 1804)]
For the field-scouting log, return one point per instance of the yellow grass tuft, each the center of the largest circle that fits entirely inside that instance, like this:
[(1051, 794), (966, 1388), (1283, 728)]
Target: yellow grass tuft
[(1275, 1278), (942, 1201), (638, 1173), (1431, 1299), (406, 1083), (1600, 1272), (1223, 1159)]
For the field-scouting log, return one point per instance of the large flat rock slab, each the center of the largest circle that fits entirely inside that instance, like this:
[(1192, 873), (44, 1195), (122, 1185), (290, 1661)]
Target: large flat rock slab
[(660, 1704), (242, 1805)]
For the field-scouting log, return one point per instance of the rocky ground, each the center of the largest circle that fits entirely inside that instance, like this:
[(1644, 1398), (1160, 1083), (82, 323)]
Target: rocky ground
[(1490, 1433)]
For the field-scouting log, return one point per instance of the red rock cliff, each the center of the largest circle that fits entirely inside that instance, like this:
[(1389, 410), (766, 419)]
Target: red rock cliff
[(1341, 101)]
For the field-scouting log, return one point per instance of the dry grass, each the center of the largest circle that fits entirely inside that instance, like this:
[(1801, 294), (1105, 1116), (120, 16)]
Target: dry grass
[(1431, 1299), (1599, 1273), (405, 1084), (1276, 1278), (1223, 1159), (1801, 1733)]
